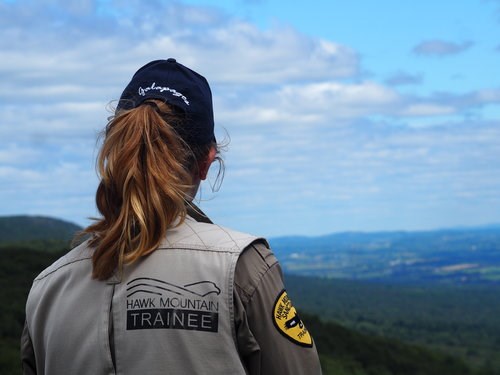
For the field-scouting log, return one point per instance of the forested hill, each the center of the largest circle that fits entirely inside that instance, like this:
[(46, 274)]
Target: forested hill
[(32, 228)]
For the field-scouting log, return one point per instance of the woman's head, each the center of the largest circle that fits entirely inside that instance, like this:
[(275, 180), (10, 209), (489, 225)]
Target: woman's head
[(156, 150), (179, 86)]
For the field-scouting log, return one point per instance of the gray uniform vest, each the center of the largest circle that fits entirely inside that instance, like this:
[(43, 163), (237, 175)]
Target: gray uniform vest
[(171, 312)]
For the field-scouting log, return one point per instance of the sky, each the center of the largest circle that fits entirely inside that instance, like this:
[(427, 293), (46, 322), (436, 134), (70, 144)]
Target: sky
[(338, 115)]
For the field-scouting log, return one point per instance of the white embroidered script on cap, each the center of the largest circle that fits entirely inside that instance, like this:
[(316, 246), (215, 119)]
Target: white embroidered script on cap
[(143, 91)]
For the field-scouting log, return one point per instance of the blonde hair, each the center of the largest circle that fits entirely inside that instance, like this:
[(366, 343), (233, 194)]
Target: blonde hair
[(146, 172)]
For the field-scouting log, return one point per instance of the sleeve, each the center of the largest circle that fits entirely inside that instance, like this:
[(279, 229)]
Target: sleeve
[(28, 362), (271, 337)]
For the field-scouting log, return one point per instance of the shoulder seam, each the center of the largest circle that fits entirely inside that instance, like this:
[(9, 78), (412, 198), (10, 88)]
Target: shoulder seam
[(40, 277), (251, 295)]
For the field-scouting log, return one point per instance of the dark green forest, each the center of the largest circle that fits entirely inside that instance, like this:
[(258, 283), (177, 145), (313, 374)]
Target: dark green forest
[(359, 328), (463, 321), (19, 265)]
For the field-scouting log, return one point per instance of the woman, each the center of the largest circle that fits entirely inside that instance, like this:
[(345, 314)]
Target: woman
[(157, 288)]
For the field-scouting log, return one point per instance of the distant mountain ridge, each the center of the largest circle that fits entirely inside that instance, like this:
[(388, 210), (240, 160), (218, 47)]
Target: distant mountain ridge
[(461, 255), (369, 235), (456, 255), (22, 228)]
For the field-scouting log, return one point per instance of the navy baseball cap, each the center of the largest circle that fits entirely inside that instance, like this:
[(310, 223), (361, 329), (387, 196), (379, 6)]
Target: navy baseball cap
[(177, 85)]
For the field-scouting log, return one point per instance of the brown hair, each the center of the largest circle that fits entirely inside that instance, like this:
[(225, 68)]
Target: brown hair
[(146, 172)]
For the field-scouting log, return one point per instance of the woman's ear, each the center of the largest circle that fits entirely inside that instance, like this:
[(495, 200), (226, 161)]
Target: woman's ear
[(205, 165)]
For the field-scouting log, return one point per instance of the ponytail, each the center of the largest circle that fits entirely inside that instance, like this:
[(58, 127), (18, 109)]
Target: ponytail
[(146, 173)]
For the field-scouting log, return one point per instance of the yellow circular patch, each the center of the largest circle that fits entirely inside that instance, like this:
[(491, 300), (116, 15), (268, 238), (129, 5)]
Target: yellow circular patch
[(288, 323)]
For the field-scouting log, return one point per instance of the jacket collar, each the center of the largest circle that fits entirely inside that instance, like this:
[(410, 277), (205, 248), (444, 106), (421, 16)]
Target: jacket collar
[(197, 214)]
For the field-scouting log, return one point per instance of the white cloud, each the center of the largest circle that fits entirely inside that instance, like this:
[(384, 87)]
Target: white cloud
[(361, 168), (438, 48), (61, 189), (228, 50), (402, 78), (13, 154), (488, 96), (427, 109)]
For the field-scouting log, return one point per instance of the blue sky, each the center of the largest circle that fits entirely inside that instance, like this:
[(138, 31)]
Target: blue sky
[(342, 115)]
